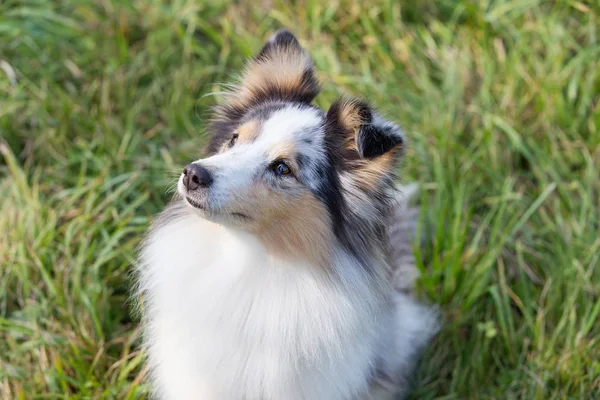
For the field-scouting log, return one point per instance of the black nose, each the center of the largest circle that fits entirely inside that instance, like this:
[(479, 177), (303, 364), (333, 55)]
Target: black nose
[(195, 176)]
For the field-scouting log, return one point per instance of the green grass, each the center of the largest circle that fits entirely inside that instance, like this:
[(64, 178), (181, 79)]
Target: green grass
[(101, 101)]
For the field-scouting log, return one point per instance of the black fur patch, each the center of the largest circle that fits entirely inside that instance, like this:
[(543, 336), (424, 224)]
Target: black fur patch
[(307, 90), (329, 192), (281, 38), (262, 112), (373, 141), (302, 161), (221, 128)]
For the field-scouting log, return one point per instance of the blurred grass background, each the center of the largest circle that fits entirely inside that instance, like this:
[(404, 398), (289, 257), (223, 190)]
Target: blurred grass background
[(103, 101)]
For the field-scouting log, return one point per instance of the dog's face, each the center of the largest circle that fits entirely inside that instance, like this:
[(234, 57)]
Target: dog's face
[(269, 167), (284, 169)]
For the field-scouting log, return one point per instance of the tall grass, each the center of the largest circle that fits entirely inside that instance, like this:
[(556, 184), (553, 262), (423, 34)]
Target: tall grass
[(102, 102)]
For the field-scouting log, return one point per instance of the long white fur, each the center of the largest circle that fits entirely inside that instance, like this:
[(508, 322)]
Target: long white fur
[(227, 321)]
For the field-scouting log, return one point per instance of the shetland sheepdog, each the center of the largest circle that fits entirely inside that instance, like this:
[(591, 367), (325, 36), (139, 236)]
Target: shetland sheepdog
[(270, 275)]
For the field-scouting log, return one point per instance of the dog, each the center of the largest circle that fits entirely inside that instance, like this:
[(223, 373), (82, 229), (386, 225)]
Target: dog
[(270, 275)]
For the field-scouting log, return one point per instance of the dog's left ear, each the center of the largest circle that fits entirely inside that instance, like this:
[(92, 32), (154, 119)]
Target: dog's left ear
[(282, 70), (365, 145), (363, 131)]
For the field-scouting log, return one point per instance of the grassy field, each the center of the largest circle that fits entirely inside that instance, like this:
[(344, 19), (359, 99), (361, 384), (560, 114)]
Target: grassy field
[(102, 102)]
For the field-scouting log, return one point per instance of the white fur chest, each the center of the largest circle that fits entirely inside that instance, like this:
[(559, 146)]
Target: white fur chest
[(225, 321)]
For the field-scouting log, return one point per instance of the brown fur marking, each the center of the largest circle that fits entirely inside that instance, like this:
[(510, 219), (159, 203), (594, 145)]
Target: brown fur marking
[(368, 173), (349, 116), (248, 131), (298, 231), (284, 151), (283, 68)]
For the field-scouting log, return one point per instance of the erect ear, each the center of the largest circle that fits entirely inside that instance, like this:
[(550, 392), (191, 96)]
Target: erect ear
[(282, 70), (362, 130), (367, 145)]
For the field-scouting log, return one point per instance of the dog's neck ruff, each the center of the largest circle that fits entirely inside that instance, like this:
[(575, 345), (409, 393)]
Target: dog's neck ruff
[(217, 299)]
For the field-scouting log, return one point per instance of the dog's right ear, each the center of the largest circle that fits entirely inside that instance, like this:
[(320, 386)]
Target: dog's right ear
[(281, 71)]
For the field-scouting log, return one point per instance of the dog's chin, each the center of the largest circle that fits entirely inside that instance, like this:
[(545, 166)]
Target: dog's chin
[(215, 215), (196, 204)]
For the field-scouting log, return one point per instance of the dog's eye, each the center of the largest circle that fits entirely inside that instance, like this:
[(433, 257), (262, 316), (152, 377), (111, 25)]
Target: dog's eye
[(281, 168), (233, 140)]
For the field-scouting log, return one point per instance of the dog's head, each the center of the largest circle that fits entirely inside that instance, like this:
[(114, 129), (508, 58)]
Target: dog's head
[(291, 173)]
